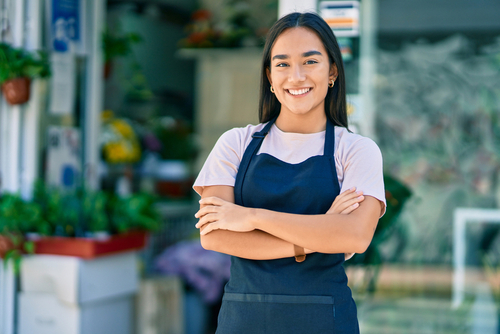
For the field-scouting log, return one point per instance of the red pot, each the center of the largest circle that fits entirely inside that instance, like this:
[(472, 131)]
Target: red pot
[(90, 248), (107, 69), (5, 245), (17, 91)]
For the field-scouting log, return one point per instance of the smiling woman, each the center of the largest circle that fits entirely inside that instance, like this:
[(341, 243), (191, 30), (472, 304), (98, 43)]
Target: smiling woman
[(289, 198)]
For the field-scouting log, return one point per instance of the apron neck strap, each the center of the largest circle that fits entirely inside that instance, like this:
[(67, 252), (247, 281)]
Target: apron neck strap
[(262, 133), (329, 139), (250, 151)]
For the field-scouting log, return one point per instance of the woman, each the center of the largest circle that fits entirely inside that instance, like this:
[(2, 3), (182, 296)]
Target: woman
[(270, 192)]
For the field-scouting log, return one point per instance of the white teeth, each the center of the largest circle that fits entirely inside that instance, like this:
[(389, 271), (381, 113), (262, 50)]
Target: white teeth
[(299, 91)]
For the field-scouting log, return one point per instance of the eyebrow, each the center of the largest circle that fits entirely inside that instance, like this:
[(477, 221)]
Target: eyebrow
[(305, 54)]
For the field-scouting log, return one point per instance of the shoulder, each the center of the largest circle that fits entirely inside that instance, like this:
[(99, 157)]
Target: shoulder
[(240, 134), (237, 139), (348, 143)]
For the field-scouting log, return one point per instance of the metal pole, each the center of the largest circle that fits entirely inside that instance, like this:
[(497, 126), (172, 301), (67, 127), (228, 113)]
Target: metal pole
[(94, 87), (31, 120), (367, 70), (11, 161), (7, 297)]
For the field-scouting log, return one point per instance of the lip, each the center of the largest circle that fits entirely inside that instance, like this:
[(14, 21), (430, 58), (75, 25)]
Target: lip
[(287, 90)]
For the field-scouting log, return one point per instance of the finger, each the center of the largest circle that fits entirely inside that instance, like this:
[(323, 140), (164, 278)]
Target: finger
[(350, 196), (206, 210), (350, 209), (208, 218), (212, 200), (349, 205), (351, 202), (347, 192), (351, 199), (345, 197), (209, 228)]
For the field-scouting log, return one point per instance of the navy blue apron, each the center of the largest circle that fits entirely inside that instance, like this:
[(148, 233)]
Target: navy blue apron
[(282, 295)]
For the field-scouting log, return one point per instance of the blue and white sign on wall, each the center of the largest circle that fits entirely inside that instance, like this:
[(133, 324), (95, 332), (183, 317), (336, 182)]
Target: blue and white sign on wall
[(66, 22)]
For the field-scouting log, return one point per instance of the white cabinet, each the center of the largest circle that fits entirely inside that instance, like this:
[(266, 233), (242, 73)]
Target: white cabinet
[(70, 295)]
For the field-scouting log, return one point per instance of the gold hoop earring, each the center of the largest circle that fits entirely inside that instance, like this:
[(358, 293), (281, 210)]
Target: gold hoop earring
[(272, 89), (331, 83)]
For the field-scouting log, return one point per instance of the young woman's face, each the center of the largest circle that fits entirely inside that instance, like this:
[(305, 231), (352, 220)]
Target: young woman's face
[(300, 72)]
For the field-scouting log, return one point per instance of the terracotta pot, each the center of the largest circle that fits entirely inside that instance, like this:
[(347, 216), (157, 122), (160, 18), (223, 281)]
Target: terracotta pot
[(17, 91), (91, 248), (108, 66), (5, 245)]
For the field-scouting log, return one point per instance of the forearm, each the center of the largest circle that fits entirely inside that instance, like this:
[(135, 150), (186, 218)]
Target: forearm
[(253, 245), (328, 233), (325, 233)]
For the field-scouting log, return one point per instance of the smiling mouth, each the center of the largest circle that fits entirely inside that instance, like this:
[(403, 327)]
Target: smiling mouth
[(297, 92)]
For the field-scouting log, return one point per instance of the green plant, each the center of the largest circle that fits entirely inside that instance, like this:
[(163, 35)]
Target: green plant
[(75, 213), (396, 194), (118, 45), (136, 212), (17, 63), (69, 213), (176, 137), (18, 217)]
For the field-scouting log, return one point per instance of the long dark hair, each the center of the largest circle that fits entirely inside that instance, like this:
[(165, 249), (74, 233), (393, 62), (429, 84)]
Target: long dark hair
[(335, 100)]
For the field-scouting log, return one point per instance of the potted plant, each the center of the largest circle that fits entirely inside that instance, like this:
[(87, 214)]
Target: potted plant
[(79, 223), (17, 218), (178, 150), (84, 245), (114, 45), (17, 68)]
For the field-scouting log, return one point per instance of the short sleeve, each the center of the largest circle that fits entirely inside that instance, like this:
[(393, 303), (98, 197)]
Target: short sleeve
[(363, 168), (223, 162)]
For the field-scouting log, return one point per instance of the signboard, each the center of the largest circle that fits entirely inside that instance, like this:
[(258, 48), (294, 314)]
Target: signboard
[(341, 16), (66, 18)]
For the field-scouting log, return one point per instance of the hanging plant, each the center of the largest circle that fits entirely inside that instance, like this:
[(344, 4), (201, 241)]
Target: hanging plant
[(115, 45), (17, 68)]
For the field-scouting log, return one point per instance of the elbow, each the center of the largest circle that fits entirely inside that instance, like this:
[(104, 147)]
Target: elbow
[(362, 243), (206, 242), (361, 247)]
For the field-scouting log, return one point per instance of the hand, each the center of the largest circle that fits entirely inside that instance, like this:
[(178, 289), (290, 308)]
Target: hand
[(218, 214), (346, 202)]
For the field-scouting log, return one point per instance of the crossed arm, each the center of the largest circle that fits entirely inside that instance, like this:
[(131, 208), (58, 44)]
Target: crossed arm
[(261, 234)]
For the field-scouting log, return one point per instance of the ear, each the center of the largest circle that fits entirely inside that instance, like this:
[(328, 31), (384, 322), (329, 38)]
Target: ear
[(334, 73), (268, 74)]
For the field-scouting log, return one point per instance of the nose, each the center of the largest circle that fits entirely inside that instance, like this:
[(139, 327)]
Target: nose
[(296, 74)]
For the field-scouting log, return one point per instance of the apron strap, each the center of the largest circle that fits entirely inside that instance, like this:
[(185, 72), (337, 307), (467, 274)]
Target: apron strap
[(251, 150), (329, 139)]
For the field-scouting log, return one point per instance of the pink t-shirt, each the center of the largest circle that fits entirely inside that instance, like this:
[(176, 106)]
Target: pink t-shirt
[(357, 159)]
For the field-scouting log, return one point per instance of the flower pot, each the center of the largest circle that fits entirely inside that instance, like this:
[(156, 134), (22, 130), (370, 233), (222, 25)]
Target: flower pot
[(108, 66), (173, 179), (91, 248), (17, 91), (5, 245)]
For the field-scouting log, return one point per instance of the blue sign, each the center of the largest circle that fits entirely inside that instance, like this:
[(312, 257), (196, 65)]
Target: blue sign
[(65, 24)]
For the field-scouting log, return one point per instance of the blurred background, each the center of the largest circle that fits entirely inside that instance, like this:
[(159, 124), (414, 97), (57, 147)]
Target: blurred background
[(110, 107)]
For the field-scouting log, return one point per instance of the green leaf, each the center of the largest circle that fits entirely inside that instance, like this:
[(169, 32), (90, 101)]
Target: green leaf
[(29, 247)]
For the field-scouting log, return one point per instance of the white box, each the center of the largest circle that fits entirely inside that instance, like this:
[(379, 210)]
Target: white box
[(76, 281), (44, 313)]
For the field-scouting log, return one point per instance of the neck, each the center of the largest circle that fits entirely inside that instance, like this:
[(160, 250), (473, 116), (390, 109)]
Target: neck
[(301, 123)]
